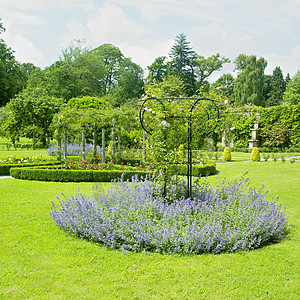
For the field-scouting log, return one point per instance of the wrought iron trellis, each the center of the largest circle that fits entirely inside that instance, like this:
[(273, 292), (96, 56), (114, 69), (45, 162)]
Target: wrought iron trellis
[(189, 116)]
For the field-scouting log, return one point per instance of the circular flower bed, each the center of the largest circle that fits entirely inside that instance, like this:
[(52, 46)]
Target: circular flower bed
[(133, 216)]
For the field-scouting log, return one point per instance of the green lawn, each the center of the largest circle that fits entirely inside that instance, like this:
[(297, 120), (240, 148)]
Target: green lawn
[(40, 261), (18, 152)]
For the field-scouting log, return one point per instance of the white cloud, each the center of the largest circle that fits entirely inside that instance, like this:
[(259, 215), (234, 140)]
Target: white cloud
[(110, 24), (145, 54), (288, 64), (146, 29), (29, 53)]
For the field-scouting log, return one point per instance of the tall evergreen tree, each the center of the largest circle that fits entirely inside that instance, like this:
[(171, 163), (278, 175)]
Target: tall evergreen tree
[(182, 63), (277, 88), (287, 79), (267, 86), (249, 84), (292, 93)]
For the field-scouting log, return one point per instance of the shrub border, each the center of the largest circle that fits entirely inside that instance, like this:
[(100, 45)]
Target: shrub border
[(5, 168), (62, 175), (197, 170)]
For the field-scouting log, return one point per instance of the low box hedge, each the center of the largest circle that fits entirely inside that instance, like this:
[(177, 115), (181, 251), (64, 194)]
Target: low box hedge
[(5, 168), (197, 170), (62, 175)]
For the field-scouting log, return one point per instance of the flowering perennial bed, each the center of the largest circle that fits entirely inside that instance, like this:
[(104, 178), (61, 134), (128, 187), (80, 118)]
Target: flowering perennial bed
[(132, 216)]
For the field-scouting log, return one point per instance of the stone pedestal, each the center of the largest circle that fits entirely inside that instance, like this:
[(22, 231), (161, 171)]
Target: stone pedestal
[(254, 141)]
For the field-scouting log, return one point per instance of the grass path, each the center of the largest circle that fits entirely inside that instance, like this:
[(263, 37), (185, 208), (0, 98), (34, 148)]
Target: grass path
[(40, 261)]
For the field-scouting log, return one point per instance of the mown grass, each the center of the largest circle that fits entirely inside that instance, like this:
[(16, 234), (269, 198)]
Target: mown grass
[(18, 152), (40, 261)]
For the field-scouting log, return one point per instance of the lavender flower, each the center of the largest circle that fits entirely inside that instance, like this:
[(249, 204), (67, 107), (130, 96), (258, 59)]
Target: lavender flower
[(131, 216), (73, 149)]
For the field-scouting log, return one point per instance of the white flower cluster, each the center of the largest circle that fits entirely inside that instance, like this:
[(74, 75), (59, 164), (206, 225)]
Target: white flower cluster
[(165, 123)]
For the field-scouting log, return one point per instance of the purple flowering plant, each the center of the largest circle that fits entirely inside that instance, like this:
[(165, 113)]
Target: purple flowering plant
[(132, 216), (73, 149)]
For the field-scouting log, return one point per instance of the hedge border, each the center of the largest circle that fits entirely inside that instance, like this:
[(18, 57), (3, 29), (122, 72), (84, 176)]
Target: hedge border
[(5, 168), (62, 175), (197, 170)]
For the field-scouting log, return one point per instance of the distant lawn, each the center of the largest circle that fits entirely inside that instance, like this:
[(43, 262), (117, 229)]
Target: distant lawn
[(6, 151), (40, 261)]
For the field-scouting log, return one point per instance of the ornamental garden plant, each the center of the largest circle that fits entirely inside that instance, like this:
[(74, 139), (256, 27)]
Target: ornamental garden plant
[(255, 155), (133, 216), (226, 154), (167, 214)]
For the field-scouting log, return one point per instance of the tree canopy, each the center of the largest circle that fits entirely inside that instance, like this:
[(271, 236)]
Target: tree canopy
[(277, 88), (249, 84), (31, 112), (192, 68), (12, 76), (292, 93)]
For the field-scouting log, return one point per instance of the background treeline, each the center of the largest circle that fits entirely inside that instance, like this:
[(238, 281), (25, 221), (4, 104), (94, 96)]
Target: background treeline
[(31, 97)]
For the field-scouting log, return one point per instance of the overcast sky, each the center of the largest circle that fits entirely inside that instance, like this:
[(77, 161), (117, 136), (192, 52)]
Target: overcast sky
[(38, 30)]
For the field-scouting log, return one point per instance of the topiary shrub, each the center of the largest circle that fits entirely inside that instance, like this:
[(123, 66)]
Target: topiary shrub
[(255, 156), (226, 154)]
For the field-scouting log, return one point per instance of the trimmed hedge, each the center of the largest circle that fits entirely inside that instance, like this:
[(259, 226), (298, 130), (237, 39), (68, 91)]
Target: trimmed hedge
[(5, 168), (62, 175), (208, 169)]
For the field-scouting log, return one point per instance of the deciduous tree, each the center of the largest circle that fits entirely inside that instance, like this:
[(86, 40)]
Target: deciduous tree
[(31, 112), (249, 84), (12, 75)]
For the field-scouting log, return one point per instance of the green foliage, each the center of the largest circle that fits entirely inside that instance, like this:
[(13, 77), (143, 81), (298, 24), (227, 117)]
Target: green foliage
[(225, 83), (76, 76), (31, 113), (204, 67), (241, 121), (130, 83), (171, 86), (112, 58), (226, 154), (102, 72), (181, 154), (5, 168), (168, 120), (249, 84), (12, 76), (158, 69), (87, 103), (292, 93), (208, 168), (182, 57), (278, 125), (62, 175), (255, 156), (184, 63), (277, 88)]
